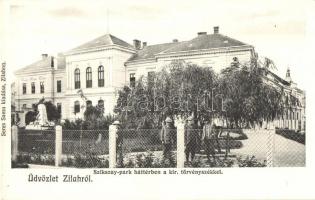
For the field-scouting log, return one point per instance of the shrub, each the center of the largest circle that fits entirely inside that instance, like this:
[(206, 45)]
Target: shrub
[(80, 160), (144, 161), (36, 158), (86, 160), (148, 160), (224, 163), (89, 123), (250, 161), (129, 164)]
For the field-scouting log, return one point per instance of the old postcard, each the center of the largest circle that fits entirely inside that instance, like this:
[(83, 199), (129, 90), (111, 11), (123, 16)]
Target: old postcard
[(119, 99)]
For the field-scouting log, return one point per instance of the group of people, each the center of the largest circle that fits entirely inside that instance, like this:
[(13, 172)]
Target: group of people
[(193, 139)]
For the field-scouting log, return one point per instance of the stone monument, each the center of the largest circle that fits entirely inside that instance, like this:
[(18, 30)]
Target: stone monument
[(41, 122)]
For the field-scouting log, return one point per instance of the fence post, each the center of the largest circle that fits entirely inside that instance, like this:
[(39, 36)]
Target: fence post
[(112, 145), (58, 146), (22, 119), (180, 145), (14, 142), (270, 147), (227, 143)]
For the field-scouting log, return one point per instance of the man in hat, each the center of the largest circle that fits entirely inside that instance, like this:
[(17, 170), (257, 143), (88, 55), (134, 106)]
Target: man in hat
[(166, 137), (119, 142), (208, 138), (191, 139)]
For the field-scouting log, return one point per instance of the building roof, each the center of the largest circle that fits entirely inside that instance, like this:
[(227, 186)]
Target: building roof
[(202, 42), (44, 64), (104, 40), (206, 41), (150, 51), (278, 78)]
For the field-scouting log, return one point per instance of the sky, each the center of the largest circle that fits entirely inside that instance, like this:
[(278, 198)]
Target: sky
[(277, 29)]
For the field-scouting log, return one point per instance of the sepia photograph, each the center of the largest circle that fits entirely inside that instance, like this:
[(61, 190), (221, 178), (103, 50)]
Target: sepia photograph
[(210, 100), (181, 85)]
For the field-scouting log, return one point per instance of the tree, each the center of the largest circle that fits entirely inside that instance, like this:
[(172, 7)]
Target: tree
[(94, 118), (179, 89), (249, 98), (52, 111), (241, 94), (30, 117)]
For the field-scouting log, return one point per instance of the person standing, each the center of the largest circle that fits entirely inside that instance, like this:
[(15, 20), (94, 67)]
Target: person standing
[(191, 139), (166, 137), (208, 137), (217, 133)]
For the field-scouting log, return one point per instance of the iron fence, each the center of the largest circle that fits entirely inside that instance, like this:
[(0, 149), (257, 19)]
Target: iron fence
[(289, 148), (85, 148), (146, 148), (36, 146)]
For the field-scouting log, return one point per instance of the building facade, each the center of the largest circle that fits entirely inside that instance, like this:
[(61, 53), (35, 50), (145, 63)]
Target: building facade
[(92, 73), (294, 117)]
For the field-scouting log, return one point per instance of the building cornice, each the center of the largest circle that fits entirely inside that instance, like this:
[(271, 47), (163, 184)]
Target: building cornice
[(100, 48), (205, 51), (41, 71), (141, 61), (32, 72), (192, 53)]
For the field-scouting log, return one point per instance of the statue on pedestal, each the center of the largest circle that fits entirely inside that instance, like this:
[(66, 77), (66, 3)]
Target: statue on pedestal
[(41, 121)]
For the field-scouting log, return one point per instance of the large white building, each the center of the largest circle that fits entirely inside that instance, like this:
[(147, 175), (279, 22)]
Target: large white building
[(99, 68)]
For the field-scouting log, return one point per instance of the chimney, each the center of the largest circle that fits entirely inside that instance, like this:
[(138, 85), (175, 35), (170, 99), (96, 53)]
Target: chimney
[(144, 44), (175, 40), (137, 44), (216, 30), (44, 56), (202, 33), (52, 62), (55, 62)]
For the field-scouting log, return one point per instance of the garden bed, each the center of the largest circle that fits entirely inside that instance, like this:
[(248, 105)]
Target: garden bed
[(292, 135)]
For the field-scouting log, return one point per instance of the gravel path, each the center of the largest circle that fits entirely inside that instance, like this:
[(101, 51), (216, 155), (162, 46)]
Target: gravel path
[(287, 153)]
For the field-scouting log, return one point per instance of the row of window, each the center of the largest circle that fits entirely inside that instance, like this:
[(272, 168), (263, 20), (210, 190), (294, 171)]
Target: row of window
[(88, 73), (33, 106), (132, 78), (77, 107), (42, 87), (291, 115), (77, 82)]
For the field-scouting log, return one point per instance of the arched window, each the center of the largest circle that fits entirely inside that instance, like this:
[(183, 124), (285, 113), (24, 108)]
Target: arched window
[(76, 107), (101, 76), (132, 80), (77, 83), (88, 77)]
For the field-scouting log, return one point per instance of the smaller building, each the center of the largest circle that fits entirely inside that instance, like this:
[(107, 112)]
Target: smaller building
[(44, 78)]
